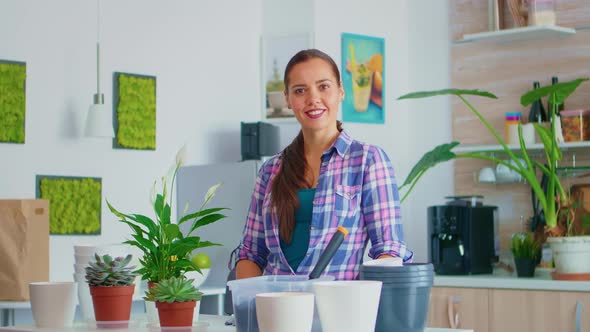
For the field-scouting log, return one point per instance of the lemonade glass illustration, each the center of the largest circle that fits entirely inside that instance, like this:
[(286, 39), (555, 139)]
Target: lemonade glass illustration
[(362, 80)]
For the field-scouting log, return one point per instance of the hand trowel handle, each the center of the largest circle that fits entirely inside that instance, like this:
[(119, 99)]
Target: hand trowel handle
[(327, 255)]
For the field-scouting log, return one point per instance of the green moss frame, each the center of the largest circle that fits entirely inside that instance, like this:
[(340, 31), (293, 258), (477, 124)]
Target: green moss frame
[(134, 111), (74, 203), (13, 76)]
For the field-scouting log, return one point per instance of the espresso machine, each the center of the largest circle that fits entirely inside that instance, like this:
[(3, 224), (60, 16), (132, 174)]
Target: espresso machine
[(463, 236)]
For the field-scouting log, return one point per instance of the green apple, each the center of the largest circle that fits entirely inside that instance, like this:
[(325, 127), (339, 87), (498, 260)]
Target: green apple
[(201, 260)]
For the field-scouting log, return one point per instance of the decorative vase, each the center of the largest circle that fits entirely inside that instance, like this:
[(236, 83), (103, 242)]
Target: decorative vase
[(525, 267), (176, 314), (112, 305)]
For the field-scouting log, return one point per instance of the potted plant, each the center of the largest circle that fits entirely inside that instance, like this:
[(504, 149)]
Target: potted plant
[(166, 250), (525, 250), (111, 286), (175, 299), (552, 199)]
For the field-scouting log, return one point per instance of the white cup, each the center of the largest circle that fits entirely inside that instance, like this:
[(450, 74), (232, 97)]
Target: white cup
[(349, 305), (53, 303), (487, 175), (284, 311)]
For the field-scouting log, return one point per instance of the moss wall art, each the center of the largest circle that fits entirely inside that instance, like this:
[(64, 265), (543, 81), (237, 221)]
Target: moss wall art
[(134, 111), (12, 101), (74, 203)]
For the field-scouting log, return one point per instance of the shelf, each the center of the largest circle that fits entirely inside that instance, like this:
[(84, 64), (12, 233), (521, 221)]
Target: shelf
[(508, 35), (533, 147)]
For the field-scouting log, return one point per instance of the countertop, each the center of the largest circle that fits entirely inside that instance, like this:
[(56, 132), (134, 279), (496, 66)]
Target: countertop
[(504, 280), (207, 323)]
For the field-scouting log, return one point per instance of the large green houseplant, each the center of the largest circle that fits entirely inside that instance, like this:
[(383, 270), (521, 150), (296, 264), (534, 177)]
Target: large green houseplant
[(554, 197), (166, 250)]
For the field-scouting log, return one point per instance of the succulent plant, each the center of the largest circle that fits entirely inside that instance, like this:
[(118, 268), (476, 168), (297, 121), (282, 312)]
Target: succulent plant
[(107, 271), (175, 289)]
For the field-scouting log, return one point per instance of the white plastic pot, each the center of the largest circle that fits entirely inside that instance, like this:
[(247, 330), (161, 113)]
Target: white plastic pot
[(571, 254)]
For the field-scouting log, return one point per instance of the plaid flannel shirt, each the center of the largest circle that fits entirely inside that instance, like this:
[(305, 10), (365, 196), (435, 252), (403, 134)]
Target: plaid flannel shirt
[(356, 189)]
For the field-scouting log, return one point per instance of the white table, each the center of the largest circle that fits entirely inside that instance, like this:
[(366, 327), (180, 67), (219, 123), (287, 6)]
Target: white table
[(7, 308), (214, 324)]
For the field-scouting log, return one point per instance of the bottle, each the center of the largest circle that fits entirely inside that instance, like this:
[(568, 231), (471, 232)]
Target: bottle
[(537, 113), (560, 106)]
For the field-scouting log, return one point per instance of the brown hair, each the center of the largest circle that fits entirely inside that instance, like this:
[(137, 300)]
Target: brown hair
[(291, 176)]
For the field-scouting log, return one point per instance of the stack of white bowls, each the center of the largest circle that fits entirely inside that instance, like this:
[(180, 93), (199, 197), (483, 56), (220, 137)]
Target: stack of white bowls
[(84, 254)]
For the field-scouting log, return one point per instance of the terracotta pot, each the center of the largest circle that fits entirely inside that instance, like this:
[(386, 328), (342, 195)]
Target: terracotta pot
[(176, 313), (112, 303)]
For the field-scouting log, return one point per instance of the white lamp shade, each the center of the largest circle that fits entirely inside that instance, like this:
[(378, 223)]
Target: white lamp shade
[(99, 122)]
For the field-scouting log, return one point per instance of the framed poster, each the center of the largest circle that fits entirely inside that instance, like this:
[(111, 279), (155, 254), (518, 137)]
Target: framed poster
[(276, 53), (363, 78)]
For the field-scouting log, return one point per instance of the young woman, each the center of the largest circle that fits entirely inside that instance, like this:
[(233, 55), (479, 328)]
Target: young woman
[(322, 180)]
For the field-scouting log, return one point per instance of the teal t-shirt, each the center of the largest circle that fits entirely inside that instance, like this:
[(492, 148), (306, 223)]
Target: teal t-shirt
[(295, 252)]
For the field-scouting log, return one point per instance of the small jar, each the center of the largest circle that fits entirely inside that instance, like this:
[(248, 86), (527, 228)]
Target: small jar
[(575, 125), (511, 124), (541, 12)]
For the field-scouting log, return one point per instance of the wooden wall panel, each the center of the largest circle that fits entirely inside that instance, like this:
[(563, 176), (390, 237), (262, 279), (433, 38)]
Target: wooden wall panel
[(508, 70), (471, 16)]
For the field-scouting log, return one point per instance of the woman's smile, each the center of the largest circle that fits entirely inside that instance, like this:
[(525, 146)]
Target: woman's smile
[(315, 113)]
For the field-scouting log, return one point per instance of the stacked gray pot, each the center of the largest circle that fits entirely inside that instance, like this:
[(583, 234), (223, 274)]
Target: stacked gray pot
[(405, 295)]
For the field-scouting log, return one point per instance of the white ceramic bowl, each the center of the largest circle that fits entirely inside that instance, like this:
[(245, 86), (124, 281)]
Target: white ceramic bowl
[(197, 277)]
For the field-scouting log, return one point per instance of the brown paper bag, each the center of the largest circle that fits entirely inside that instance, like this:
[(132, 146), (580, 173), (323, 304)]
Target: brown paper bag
[(24, 246)]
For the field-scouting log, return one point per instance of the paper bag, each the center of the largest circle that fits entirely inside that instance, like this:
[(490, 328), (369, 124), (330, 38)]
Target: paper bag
[(24, 246)]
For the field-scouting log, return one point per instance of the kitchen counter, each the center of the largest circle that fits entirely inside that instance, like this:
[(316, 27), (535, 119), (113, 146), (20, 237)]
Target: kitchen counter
[(503, 280), (207, 323)]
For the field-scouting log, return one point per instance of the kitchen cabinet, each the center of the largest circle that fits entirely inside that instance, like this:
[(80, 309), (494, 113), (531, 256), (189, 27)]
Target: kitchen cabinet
[(538, 311), (465, 308), (501, 310)]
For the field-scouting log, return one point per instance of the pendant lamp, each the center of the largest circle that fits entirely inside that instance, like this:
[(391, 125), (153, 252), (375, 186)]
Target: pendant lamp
[(99, 121)]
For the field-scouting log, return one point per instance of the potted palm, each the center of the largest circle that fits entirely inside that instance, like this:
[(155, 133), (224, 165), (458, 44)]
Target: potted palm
[(554, 198), (525, 250), (175, 299), (111, 286)]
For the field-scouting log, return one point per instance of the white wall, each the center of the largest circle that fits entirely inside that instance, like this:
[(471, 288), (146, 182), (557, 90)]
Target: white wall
[(206, 59)]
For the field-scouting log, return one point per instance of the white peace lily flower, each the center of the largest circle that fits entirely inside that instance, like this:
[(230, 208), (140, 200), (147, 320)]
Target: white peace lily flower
[(210, 193), (181, 155)]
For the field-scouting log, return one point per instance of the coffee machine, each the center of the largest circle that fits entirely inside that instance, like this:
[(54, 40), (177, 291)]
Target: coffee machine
[(463, 236)]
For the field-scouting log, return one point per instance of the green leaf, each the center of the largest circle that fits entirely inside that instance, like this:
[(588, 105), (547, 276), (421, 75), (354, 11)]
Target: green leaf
[(147, 222), (159, 204), (559, 91), (439, 154), (145, 243), (457, 92), (206, 221), (204, 244), (172, 231), (199, 214), (165, 216)]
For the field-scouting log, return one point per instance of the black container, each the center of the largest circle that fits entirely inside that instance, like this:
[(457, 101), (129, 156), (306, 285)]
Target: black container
[(525, 267), (405, 296)]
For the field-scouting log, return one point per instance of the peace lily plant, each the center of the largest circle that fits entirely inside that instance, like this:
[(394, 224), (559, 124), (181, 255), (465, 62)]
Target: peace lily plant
[(551, 200), (166, 250)]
